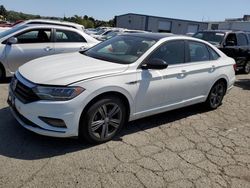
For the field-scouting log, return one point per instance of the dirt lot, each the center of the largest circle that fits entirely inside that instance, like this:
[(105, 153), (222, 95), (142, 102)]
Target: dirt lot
[(190, 147)]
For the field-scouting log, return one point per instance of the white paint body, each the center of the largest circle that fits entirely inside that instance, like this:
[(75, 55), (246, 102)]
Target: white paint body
[(155, 91)]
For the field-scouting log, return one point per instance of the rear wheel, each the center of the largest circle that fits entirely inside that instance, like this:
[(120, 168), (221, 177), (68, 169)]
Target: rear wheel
[(216, 95), (247, 68), (103, 120)]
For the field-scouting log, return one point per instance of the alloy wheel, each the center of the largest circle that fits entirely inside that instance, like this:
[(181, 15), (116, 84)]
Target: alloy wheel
[(217, 95), (106, 121)]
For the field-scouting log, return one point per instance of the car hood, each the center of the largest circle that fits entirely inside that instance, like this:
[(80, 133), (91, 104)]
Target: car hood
[(65, 69)]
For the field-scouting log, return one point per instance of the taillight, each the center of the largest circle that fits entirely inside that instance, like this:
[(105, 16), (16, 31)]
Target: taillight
[(235, 67)]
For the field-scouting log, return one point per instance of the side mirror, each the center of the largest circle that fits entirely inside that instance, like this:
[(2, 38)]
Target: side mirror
[(157, 64), (12, 40)]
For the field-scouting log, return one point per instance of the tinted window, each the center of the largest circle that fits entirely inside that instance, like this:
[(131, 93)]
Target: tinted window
[(242, 39), (68, 36), (213, 54), (172, 52), (231, 39), (197, 52), (35, 36)]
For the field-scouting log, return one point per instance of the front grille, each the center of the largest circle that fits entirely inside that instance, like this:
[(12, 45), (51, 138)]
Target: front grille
[(24, 93)]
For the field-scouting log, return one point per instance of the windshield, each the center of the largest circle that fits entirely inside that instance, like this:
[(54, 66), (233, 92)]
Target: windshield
[(121, 49), (212, 37), (10, 31)]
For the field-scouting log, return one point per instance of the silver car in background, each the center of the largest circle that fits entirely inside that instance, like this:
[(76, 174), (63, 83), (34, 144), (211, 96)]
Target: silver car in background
[(52, 22), (27, 42)]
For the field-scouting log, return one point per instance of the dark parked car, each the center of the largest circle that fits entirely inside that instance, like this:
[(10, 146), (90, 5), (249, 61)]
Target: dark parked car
[(235, 44)]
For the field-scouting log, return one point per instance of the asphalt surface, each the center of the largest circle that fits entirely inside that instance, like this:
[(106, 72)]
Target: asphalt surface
[(190, 147)]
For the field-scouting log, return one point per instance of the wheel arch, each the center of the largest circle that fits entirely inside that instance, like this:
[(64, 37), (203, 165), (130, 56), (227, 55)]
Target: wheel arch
[(221, 78), (123, 95)]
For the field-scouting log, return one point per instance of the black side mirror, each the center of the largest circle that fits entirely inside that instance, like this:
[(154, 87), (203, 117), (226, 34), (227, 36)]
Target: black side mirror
[(12, 40), (155, 64)]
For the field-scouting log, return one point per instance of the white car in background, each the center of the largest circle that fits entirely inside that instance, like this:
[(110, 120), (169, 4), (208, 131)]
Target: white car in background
[(52, 22), (92, 94), (29, 41), (4, 29)]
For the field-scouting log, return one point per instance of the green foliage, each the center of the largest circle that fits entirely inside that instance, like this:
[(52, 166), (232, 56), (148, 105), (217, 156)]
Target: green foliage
[(88, 22), (3, 11), (15, 16)]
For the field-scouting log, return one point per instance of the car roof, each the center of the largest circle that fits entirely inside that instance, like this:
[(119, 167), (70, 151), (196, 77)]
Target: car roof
[(55, 22), (154, 36), (221, 31), (49, 26)]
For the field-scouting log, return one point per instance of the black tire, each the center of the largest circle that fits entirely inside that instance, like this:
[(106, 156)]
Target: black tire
[(216, 95), (247, 68), (95, 117), (2, 73)]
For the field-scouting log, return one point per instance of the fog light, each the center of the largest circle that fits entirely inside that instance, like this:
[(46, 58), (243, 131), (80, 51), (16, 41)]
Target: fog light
[(53, 122)]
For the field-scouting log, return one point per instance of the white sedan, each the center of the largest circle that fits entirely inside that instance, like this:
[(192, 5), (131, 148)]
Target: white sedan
[(26, 42), (92, 94)]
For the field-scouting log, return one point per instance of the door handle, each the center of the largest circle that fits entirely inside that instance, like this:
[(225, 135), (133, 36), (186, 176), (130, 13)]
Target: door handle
[(47, 49), (183, 73), (212, 68)]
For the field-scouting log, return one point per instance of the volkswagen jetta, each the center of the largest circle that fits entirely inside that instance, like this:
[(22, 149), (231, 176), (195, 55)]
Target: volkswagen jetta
[(92, 94)]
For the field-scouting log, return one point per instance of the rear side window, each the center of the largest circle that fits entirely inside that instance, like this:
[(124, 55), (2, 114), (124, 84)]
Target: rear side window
[(172, 52), (68, 36), (197, 52), (213, 55), (34, 36), (242, 39)]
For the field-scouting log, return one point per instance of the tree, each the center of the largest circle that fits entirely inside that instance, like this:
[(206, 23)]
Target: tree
[(3, 11)]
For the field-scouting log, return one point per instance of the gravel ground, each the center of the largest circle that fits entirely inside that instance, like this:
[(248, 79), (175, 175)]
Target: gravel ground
[(189, 147)]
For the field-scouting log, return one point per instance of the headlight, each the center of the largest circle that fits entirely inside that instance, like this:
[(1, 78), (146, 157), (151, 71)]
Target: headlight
[(57, 93)]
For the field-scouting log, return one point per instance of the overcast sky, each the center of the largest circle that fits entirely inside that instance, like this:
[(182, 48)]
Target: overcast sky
[(212, 10)]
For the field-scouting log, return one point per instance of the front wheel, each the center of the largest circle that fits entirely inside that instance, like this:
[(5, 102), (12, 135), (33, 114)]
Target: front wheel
[(247, 68), (103, 120), (216, 95)]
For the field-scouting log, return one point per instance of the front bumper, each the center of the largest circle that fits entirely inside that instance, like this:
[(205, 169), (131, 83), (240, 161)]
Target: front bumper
[(28, 116)]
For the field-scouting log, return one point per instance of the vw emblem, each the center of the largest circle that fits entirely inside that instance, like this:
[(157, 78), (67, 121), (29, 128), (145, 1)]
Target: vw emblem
[(14, 84)]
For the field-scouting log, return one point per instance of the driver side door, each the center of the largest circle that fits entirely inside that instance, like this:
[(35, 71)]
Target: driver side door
[(159, 90)]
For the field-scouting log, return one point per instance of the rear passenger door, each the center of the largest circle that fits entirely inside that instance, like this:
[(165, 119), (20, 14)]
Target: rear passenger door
[(69, 41), (199, 71)]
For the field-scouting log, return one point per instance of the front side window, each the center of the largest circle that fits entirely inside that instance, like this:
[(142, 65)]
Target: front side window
[(121, 49), (172, 52), (68, 36), (197, 52), (242, 39), (35, 36)]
